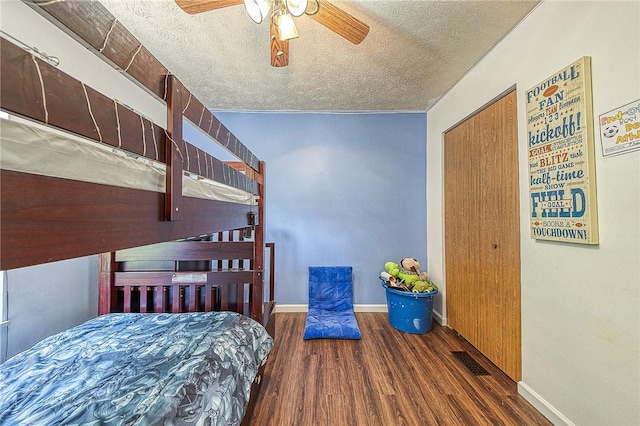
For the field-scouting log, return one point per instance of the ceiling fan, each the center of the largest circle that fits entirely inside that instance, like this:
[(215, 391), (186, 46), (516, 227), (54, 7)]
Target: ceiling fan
[(281, 13)]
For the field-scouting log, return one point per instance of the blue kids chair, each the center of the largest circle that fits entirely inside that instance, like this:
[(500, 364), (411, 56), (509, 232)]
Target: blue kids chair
[(330, 314)]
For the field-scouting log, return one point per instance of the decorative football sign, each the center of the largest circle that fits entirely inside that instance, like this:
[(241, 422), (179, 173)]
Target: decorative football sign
[(560, 147)]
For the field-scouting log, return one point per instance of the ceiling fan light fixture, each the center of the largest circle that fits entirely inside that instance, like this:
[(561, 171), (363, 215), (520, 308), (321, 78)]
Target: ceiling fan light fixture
[(258, 9), (296, 7), (286, 28)]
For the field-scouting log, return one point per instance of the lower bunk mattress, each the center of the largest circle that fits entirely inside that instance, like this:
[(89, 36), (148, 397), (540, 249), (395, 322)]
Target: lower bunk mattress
[(137, 369)]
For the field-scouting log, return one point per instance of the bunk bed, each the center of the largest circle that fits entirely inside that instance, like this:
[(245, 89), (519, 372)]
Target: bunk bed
[(185, 324)]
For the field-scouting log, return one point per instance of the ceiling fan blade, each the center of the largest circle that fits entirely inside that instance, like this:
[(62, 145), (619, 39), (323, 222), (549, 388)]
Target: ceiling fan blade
[(199, 6), (338, 21), (279, 49)]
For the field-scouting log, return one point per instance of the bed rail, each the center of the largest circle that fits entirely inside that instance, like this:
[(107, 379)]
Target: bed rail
[(68, 211), (216, 272)]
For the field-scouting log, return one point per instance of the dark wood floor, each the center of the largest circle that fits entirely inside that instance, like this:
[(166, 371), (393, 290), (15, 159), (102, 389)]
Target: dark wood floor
[(387, 378)]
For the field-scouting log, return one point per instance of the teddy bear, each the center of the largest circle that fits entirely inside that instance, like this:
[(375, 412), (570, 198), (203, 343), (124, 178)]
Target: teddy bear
[(422, 284), (412, 265)]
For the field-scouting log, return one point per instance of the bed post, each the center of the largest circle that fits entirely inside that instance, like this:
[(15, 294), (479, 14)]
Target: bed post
[(257, 304), (105, 279), (173, 197)]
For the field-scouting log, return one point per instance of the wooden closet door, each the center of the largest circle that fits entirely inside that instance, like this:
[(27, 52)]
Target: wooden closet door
[(482, 233), (461, 235)]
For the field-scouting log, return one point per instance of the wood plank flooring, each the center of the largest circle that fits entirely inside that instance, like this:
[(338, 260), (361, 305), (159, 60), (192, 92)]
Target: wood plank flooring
[(387, 378)]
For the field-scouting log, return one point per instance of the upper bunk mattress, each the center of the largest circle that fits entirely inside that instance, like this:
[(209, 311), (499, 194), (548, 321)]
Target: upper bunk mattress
[(31, 147), (137, 369)]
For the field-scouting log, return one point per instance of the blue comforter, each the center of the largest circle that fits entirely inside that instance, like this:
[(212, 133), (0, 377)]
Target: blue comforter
[(137, 369)]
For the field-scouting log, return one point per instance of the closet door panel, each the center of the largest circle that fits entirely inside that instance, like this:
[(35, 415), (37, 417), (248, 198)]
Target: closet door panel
[(484, 295), (461, 232), (500, 230)]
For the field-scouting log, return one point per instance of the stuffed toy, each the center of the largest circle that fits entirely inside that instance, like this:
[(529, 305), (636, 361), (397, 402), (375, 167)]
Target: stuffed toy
[(407, 276), (409, 271), (423, 287), (392, 270), (412, 265)]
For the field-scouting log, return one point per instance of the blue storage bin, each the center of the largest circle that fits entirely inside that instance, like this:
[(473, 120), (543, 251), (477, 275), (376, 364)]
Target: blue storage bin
[(410, 312)]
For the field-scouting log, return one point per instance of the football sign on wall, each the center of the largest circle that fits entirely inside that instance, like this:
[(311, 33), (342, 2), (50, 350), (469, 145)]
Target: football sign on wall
[(560, 145)]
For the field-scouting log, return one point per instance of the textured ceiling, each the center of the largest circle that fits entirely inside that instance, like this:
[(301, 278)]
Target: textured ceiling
[(415, 51)]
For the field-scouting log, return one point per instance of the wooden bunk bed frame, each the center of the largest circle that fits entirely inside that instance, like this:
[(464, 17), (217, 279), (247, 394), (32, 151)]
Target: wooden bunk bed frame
[(211, 253)]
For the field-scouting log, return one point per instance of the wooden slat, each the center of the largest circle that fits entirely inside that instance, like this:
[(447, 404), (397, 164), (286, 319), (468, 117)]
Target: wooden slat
[(240, 297), (220, 238), (176, 299), (164, 278), (231, 277), (231, 260), (191, 305), (69, 104), (143, 298), (250, 172), (201, 116), (257, 290), (272, 269), (66, 211), (208, 298), (159, 298), (154, 278), (268, 309), (203, 164), (127, 298), (92, 24), (224, 298), (173, 197), (188, 251), (104, 283)]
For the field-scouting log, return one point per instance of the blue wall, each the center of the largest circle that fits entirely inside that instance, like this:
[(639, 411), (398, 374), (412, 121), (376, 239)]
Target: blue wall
[(342, 189), (45, 299)]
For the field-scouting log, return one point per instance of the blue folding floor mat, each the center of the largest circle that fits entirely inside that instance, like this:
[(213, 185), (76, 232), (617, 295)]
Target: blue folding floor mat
[(330, 314)]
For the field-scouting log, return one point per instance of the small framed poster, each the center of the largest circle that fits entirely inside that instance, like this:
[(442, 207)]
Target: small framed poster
[(560, 145), (620, 129)]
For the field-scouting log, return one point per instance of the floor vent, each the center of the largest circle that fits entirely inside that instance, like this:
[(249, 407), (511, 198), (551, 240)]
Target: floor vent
[(470, 363)]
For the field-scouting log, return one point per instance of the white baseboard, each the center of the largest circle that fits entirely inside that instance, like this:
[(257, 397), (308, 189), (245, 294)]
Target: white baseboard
[(357, 308), (439, 318), (370, 308), (290, 308), (546, 409), (305, 308)]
